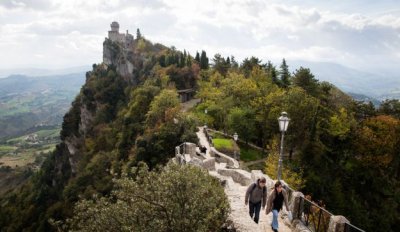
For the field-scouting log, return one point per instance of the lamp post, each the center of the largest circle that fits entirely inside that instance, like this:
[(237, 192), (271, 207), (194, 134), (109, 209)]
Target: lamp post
[(283, 125), (205, 123), (235, 137)]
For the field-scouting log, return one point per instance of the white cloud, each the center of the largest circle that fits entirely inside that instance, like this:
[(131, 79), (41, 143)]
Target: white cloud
[(70, 33)]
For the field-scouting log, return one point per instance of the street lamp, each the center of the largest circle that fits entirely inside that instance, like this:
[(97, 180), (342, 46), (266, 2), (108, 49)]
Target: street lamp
[(235, 137), (205, 123), (283, 125)]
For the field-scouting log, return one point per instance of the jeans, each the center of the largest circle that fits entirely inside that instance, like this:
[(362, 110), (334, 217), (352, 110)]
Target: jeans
[(254, 209), (275, 219)]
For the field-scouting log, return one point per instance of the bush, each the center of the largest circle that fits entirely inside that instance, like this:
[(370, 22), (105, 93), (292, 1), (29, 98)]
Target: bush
[(176, 198)]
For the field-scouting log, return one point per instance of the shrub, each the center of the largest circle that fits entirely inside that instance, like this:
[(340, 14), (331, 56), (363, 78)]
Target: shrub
[(175, 198)]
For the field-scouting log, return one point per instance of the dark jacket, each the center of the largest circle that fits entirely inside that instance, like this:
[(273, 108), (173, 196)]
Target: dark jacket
[(271, 199), (257, 194)]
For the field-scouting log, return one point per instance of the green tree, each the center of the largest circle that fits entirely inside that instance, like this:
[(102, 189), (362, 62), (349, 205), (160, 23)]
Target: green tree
[(248, 65), (138, 34), (273, 73), (220, 64), (306, 80), (204, 60), (284, 74), (163, 108), (242, 121), (340, 124), (197, 57), (234, 63), (176, 198), (363, 110), (292, 177), (390, 107)]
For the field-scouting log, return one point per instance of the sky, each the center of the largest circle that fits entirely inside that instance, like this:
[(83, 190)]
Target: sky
[(52, 34)]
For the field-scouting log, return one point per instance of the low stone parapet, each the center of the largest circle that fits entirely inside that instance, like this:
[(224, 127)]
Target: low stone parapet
[(209, 164), (222, 158), (238, 175), (256, 174)]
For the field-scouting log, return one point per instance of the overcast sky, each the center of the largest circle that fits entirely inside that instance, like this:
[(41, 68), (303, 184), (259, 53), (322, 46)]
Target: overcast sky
[(363, 34)]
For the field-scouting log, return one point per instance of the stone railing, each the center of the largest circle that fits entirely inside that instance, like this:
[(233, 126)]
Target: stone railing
[(186, 154), (219, 156), (222, 158), (306, 215)]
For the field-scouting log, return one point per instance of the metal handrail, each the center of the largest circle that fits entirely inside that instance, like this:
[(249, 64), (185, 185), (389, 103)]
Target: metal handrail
[(314, 216), (308, 219), (351, 228)]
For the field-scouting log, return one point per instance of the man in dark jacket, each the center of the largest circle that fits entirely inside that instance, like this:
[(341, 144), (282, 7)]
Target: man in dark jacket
[(256, 195)]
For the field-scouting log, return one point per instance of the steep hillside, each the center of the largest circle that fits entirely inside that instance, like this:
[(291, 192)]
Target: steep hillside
[(120, 117)]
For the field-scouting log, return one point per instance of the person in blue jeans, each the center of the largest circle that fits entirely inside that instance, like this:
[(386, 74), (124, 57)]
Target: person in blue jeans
[(275, 202), (256, 195)]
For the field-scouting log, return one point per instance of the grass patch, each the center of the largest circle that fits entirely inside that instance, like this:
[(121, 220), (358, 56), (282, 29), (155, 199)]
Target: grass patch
[(248, 153), (54, 133), (216, 135), (50, 133), (5, 148), (223, 144)]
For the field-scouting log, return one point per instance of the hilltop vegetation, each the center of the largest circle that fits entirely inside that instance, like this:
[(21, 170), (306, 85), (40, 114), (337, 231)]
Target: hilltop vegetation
[(346, 152), (340, 151), (113, 124)]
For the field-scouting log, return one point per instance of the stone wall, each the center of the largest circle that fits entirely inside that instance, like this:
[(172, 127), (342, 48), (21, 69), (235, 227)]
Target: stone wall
[(238, 175), (222, 158)]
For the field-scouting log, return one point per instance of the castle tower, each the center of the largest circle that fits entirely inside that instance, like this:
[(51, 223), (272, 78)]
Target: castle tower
[(115, 26)]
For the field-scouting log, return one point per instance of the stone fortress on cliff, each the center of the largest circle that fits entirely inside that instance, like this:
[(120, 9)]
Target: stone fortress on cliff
[(118, 50), (114, 35)]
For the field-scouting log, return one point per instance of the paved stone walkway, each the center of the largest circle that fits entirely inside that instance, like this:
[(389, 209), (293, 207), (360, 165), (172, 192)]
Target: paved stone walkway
[(236, 192), (186, 106), (203, 140)]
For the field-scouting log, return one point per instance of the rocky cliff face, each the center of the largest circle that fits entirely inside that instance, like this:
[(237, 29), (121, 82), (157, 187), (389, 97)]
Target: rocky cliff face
[(125, 59), (128, 62)]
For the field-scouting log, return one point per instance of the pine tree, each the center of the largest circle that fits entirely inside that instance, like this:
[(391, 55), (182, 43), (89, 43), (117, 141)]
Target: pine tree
[(271, 70), (197, 58), (138, 34), (306, 80), (204, 60), (189, 60), (284, 74), (234, 63), (182, 62)]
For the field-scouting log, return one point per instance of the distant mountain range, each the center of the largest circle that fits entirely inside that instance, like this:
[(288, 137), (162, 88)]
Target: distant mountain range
[(355, 82), (37, 72)]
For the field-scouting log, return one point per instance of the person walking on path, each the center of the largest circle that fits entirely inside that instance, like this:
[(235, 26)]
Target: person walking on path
[(256, 195), (275, 203)]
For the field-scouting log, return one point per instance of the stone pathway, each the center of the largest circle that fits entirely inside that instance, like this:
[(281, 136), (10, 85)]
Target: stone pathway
[(186, 106), (203, 140), (236, 192)]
